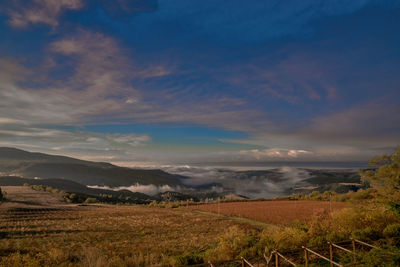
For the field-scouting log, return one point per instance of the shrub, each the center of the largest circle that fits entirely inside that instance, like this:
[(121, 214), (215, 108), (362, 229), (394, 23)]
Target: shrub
[(367, 233), (91, 200), (233, 243), (385, 177), (289, 238), (363, 194), (392, 230), (189, 259), (73, 197), (315, 195), (379, 258)]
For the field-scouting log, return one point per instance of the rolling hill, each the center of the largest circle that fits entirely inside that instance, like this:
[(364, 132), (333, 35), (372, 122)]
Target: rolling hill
[(80, 190), (30, 165)]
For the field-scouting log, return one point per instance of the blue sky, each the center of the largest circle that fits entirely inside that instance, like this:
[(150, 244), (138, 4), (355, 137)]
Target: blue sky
[(184, 81)]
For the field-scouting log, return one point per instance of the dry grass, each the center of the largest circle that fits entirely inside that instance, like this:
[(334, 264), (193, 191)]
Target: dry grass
[(34, 233), (277, 212), (105, 236)]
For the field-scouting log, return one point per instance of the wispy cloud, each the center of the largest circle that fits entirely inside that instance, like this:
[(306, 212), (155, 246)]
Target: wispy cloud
[(201, 63), (298, 78), (40, 11), (100, 68), (354, 124)]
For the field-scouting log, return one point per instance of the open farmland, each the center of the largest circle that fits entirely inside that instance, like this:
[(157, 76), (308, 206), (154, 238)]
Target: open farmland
[(277, 212), (52, 234), (38, 229)]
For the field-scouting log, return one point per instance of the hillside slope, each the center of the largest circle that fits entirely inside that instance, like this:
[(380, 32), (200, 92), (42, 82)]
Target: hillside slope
[(30, 165)]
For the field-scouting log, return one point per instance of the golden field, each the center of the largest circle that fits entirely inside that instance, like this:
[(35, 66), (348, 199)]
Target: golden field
[(38, 229)]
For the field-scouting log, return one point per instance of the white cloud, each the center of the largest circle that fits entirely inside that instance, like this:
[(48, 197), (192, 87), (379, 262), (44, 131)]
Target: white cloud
[(10, 121), (99, 89), (145, 189), (274, 153)]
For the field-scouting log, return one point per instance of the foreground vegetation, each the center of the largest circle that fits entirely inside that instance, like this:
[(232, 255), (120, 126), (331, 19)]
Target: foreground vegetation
[(107, 236), (142, 236)]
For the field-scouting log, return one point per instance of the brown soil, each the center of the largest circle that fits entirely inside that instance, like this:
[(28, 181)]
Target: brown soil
[(278, 212)]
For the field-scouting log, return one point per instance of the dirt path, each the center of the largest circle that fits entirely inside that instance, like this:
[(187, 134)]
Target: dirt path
[(25, 197)]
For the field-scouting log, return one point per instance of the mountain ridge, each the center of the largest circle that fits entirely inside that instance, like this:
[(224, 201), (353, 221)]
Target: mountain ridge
[(27, 164)]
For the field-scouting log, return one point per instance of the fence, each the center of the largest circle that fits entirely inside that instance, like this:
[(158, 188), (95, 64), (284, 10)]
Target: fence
[(276, 257)]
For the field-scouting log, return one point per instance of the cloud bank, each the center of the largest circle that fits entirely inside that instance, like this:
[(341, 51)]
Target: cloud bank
[(150, 190)]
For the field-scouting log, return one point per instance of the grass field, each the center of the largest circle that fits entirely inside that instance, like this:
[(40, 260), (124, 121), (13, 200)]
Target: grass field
[(276, 212), (51, 234), (38, 229)]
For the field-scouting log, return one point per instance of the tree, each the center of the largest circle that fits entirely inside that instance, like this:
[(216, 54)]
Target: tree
[(385, 177)]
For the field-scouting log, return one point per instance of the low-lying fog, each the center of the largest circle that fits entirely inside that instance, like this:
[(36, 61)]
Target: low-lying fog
[(254, 181), (250, 182)]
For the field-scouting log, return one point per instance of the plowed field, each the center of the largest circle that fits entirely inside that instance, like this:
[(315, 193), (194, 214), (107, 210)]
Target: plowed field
[(278, 212)]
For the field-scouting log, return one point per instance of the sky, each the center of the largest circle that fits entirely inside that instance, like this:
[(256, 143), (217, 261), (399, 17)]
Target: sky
[(151, 82)]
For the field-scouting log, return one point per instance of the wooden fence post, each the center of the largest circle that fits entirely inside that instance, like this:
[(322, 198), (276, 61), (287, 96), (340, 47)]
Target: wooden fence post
[(242, 261), (305, 256), (353, 242), (276, 260), (331, 253), (321, 256), (269, 257), (333, 245), (283, 257)]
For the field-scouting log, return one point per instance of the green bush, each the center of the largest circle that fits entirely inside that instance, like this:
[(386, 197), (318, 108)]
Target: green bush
[(380, 258), (91, 200), (367, 233), (235, 242), (289, 238), (189, 259), (73, 197), (363, 194), (392, 230)]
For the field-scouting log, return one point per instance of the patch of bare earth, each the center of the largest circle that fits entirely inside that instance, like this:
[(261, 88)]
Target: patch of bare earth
[(277, 212)]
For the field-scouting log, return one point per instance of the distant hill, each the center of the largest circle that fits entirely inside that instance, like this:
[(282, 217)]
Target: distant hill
[(9, 155), (81, 190), (30, 165), (323, 177)]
